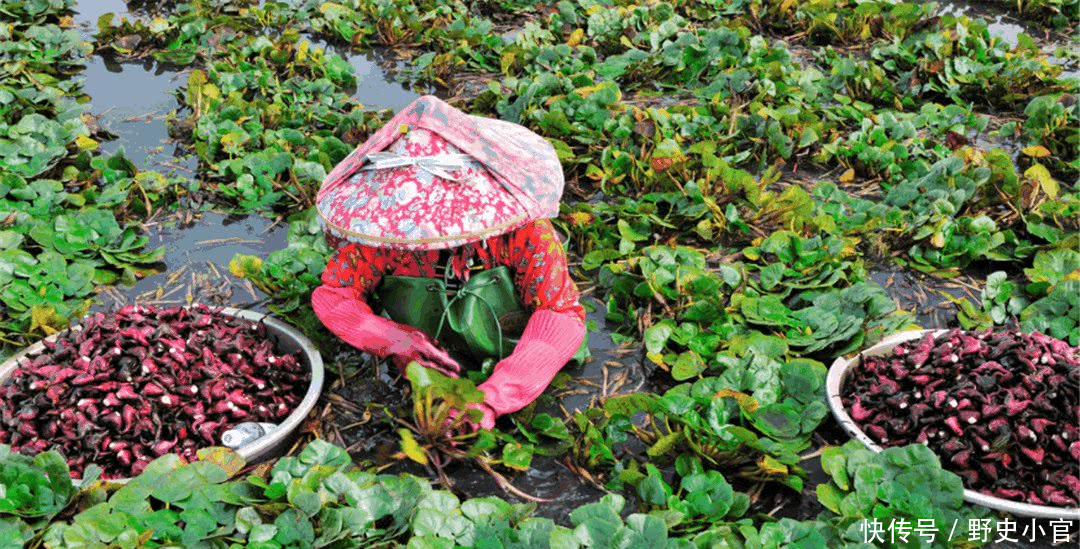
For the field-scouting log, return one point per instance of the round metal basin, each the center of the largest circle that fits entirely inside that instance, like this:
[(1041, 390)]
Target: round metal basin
[(287, 340), (838, 373)]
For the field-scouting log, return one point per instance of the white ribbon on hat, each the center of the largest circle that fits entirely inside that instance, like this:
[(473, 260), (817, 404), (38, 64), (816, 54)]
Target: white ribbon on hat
[(439, 165)]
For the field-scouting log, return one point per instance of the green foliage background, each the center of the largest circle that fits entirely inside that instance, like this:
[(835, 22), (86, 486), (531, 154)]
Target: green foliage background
[(735, 168)]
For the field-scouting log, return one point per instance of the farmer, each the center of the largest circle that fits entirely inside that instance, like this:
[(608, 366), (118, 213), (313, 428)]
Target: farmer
[(439, 221)]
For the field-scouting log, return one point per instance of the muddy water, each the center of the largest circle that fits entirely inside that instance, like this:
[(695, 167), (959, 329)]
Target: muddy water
[(926, 297), (196, 263)]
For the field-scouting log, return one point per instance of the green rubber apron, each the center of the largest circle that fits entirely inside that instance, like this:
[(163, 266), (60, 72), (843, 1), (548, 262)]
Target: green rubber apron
[(482, 319)]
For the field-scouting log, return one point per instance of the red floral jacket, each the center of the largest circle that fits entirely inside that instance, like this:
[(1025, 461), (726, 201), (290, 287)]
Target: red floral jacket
[(533, 253)]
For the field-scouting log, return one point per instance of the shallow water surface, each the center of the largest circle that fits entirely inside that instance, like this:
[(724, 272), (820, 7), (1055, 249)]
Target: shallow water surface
[(376, 83), (131, 101), (999, 21), (196, 264), (925, 297), (87, 12)]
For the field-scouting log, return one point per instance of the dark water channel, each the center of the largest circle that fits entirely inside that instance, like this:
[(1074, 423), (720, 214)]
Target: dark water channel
[(196, 264), (1003, 23), (926, 297), (131, 100)]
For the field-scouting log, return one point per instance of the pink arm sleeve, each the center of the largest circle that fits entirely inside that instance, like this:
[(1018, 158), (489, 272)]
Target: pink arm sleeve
[(555, 329), (353, 321), (340, 303), (550, 339)]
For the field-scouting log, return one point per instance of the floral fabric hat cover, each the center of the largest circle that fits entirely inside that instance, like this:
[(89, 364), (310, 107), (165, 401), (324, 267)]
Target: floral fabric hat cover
[(434, 177)]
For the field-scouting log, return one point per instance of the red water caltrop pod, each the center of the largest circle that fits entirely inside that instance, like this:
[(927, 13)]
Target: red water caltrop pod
[(140, 382), (998, 407)]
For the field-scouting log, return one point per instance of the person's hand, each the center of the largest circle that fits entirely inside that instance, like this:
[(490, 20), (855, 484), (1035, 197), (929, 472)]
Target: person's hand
[(417, 346)]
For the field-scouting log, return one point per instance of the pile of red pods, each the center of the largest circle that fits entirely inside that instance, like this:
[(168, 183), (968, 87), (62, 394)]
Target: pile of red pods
[(1000, 408), (129, 386)]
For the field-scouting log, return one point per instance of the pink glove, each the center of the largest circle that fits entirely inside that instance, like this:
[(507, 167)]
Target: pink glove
[(353, 321), (550, 339), (486, 422)]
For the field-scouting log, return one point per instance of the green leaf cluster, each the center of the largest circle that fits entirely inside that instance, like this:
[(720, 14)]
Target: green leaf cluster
[(904, 482), (64, 226)]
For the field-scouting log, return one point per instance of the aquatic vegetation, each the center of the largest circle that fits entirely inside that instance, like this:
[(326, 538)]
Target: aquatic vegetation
[(902, 482), (291, 273), (897, 145), (1056, 314), (938, 201), (1000, 300), (1060, 13), (66, 207), (268, 119), (267, 116), (737, 171), (1003, 301), (750, 421), (955, 58), (842, 22), (36, 489), (319, 497), (1050, 131), (786, 262), (439, 434), (1051, 267), (849, 318), (701, 500)]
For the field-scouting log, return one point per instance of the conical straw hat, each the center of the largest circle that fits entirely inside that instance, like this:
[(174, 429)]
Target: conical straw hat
[(434, 177)]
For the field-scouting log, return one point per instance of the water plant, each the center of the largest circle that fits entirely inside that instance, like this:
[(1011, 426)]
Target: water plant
[(65, 226), (737, 173), (903, 482), (318, 498)]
